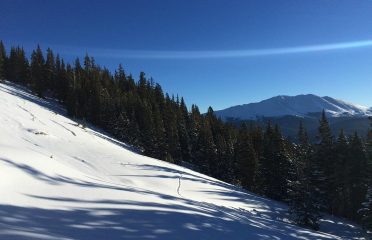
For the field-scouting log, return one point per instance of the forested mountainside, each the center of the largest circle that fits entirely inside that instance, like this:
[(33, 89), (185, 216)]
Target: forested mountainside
[(333, 175)]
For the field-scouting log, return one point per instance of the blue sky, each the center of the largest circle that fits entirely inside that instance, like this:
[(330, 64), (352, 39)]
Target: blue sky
[(214, 53)]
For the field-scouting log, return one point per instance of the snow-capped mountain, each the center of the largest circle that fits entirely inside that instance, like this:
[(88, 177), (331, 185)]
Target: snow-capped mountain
[(300, 105), (62, 181)]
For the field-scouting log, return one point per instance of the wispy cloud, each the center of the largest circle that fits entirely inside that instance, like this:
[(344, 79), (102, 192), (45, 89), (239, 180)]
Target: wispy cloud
[(243, 53)]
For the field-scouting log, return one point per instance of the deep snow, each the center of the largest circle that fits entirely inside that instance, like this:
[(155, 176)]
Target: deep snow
[(60, 181)]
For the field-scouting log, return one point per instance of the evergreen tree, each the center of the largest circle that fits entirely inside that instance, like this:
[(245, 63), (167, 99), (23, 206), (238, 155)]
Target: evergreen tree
[(341, 177), (303, 195), (205, 151), (159, 131), (3, 58), (11, 65), (50, 70), (358, 174), (23, 66), (246, 158), (17, 65), (275, 164), (324, 158), (225, 140), (62, 81), (182, 122), (171, 130), (194, 131), (38, 80), (120, 79), (366, 210), (258, 146)]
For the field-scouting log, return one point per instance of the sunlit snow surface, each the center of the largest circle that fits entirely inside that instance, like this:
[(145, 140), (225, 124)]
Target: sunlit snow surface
[(60, 181)]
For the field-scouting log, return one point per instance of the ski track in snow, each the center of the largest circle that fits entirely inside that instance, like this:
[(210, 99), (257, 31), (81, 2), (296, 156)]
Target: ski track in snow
[(72, 132), (83, 184), (179, 184)]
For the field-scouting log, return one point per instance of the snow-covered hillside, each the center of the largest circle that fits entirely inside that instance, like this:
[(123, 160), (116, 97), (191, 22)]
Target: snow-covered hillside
[(300, 105), (60, 181)]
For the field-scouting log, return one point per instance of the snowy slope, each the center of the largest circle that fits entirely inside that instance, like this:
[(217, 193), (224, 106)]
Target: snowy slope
[(300, 105), (59, 181)]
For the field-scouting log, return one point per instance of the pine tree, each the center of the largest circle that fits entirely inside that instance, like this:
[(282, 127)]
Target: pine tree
[(205, 151), (62, 81), (211, 123), (340, 178), (265, 163), (358, 174), (120, 79), (182, 122), (246, 158), (275, 164), (119, 127), (71, 99), (3, 58), (303, 195), (11, 65), (170, 124), (17, 66), (225, 141), (133, 132), (159, 131), (194, 131), (324, 158), (38, 80), (365, 211), (23, 67), (50, 70)]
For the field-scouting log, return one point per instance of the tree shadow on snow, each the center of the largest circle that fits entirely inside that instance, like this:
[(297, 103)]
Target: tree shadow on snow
[(126, 220)]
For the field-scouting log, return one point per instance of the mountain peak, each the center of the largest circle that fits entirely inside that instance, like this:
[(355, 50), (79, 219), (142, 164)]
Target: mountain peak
[(299, 105)]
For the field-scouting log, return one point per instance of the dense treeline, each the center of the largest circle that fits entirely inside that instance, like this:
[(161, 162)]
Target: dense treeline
[(333, 175)]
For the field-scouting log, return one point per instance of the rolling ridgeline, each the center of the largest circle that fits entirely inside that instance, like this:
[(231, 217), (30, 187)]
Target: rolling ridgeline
[(331, 175)]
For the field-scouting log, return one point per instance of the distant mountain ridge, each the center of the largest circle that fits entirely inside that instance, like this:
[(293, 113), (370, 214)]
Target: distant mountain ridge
[(304, 105)]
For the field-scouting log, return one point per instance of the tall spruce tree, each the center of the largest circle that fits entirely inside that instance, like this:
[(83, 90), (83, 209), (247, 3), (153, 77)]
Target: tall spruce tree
[(205, 151), (194, 131), (275, 164), (182, 123), (258, 146), (170, 124), (17, 65), (246, 158), (324, 160), (358, 174), (23, 66), (341, 177), (62, 81), (365, 212), (38, 80), (50, 70), (303, 195)]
